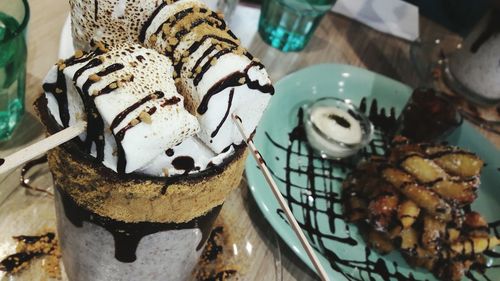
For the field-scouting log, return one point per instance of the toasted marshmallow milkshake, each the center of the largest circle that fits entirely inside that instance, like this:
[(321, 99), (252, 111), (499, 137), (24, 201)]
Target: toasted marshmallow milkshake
[(476, 65), (131, 196), (137, 193)]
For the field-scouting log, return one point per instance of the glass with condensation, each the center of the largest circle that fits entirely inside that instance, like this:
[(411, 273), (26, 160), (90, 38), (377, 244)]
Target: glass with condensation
[(289, 24), (14, 16)]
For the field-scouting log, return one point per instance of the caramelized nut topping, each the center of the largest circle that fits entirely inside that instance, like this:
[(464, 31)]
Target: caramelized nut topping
[(145, 117), (78, 54), (95, 78)]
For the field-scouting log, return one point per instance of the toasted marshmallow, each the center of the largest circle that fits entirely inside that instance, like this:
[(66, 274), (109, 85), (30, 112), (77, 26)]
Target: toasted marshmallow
[(213, 72), (111, 22), (129, 100), (188, 157)]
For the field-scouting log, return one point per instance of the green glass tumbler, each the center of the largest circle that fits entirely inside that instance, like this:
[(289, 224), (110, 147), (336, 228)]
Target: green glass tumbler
[(289, 24), (14, 16)]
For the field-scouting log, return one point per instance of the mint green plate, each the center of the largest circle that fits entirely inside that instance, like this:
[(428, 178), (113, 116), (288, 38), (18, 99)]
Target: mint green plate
[(315, 199)]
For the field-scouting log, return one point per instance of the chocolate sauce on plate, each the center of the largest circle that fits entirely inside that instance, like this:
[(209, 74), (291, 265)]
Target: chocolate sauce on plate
[(317, 184)]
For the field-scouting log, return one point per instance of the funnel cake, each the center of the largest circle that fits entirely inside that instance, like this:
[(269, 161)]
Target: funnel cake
[(418, 200)]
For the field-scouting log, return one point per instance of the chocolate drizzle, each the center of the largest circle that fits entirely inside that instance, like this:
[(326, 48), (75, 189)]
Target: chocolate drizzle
[(308, 179), (171, 101), (198, 77), (340, 120), (122, 115), (29, 248), (233, 80), (317, 180), (379, 117), (96, 9), (120, 135), (128, 235), (25, 182), (108, 70), (2, 161), (184, 163), (58, 90), (210, 19), (147, 24), (95, 129), (229, 104)]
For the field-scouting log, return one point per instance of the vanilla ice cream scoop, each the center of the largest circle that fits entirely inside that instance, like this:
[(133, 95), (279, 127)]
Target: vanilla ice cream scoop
[(215, 74), (129, 100), (111, 22)]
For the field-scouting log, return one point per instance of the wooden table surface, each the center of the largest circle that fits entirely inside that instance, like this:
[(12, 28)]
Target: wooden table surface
[(337, 39)]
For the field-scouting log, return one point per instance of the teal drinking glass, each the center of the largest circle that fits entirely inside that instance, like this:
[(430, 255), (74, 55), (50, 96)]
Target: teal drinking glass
[(289, 24), (14, 16)]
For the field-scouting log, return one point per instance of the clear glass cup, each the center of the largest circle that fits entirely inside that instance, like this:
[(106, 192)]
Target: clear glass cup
[(428, 116), (227, 7), (289, 24), (14, 16)]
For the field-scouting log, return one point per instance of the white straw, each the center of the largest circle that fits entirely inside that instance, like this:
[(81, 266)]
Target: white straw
[(295, 226), (26, 154)]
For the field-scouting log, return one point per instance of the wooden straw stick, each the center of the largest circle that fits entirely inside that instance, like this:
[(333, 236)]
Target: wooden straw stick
[(295, 226), (26, 154)]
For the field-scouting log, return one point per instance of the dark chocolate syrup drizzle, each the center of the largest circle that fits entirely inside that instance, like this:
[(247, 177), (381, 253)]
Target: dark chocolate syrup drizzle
[(302, 162), (122, 115), (184, 163), (171, 101), (26, 168), (340, 120), (58, 90), (2, 161), (229, 104), (196, 45), (147, 24), (14, 261), (95, 128), (96, 9), (128, 235), (10, 263), (211, 19), (233, 80)]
